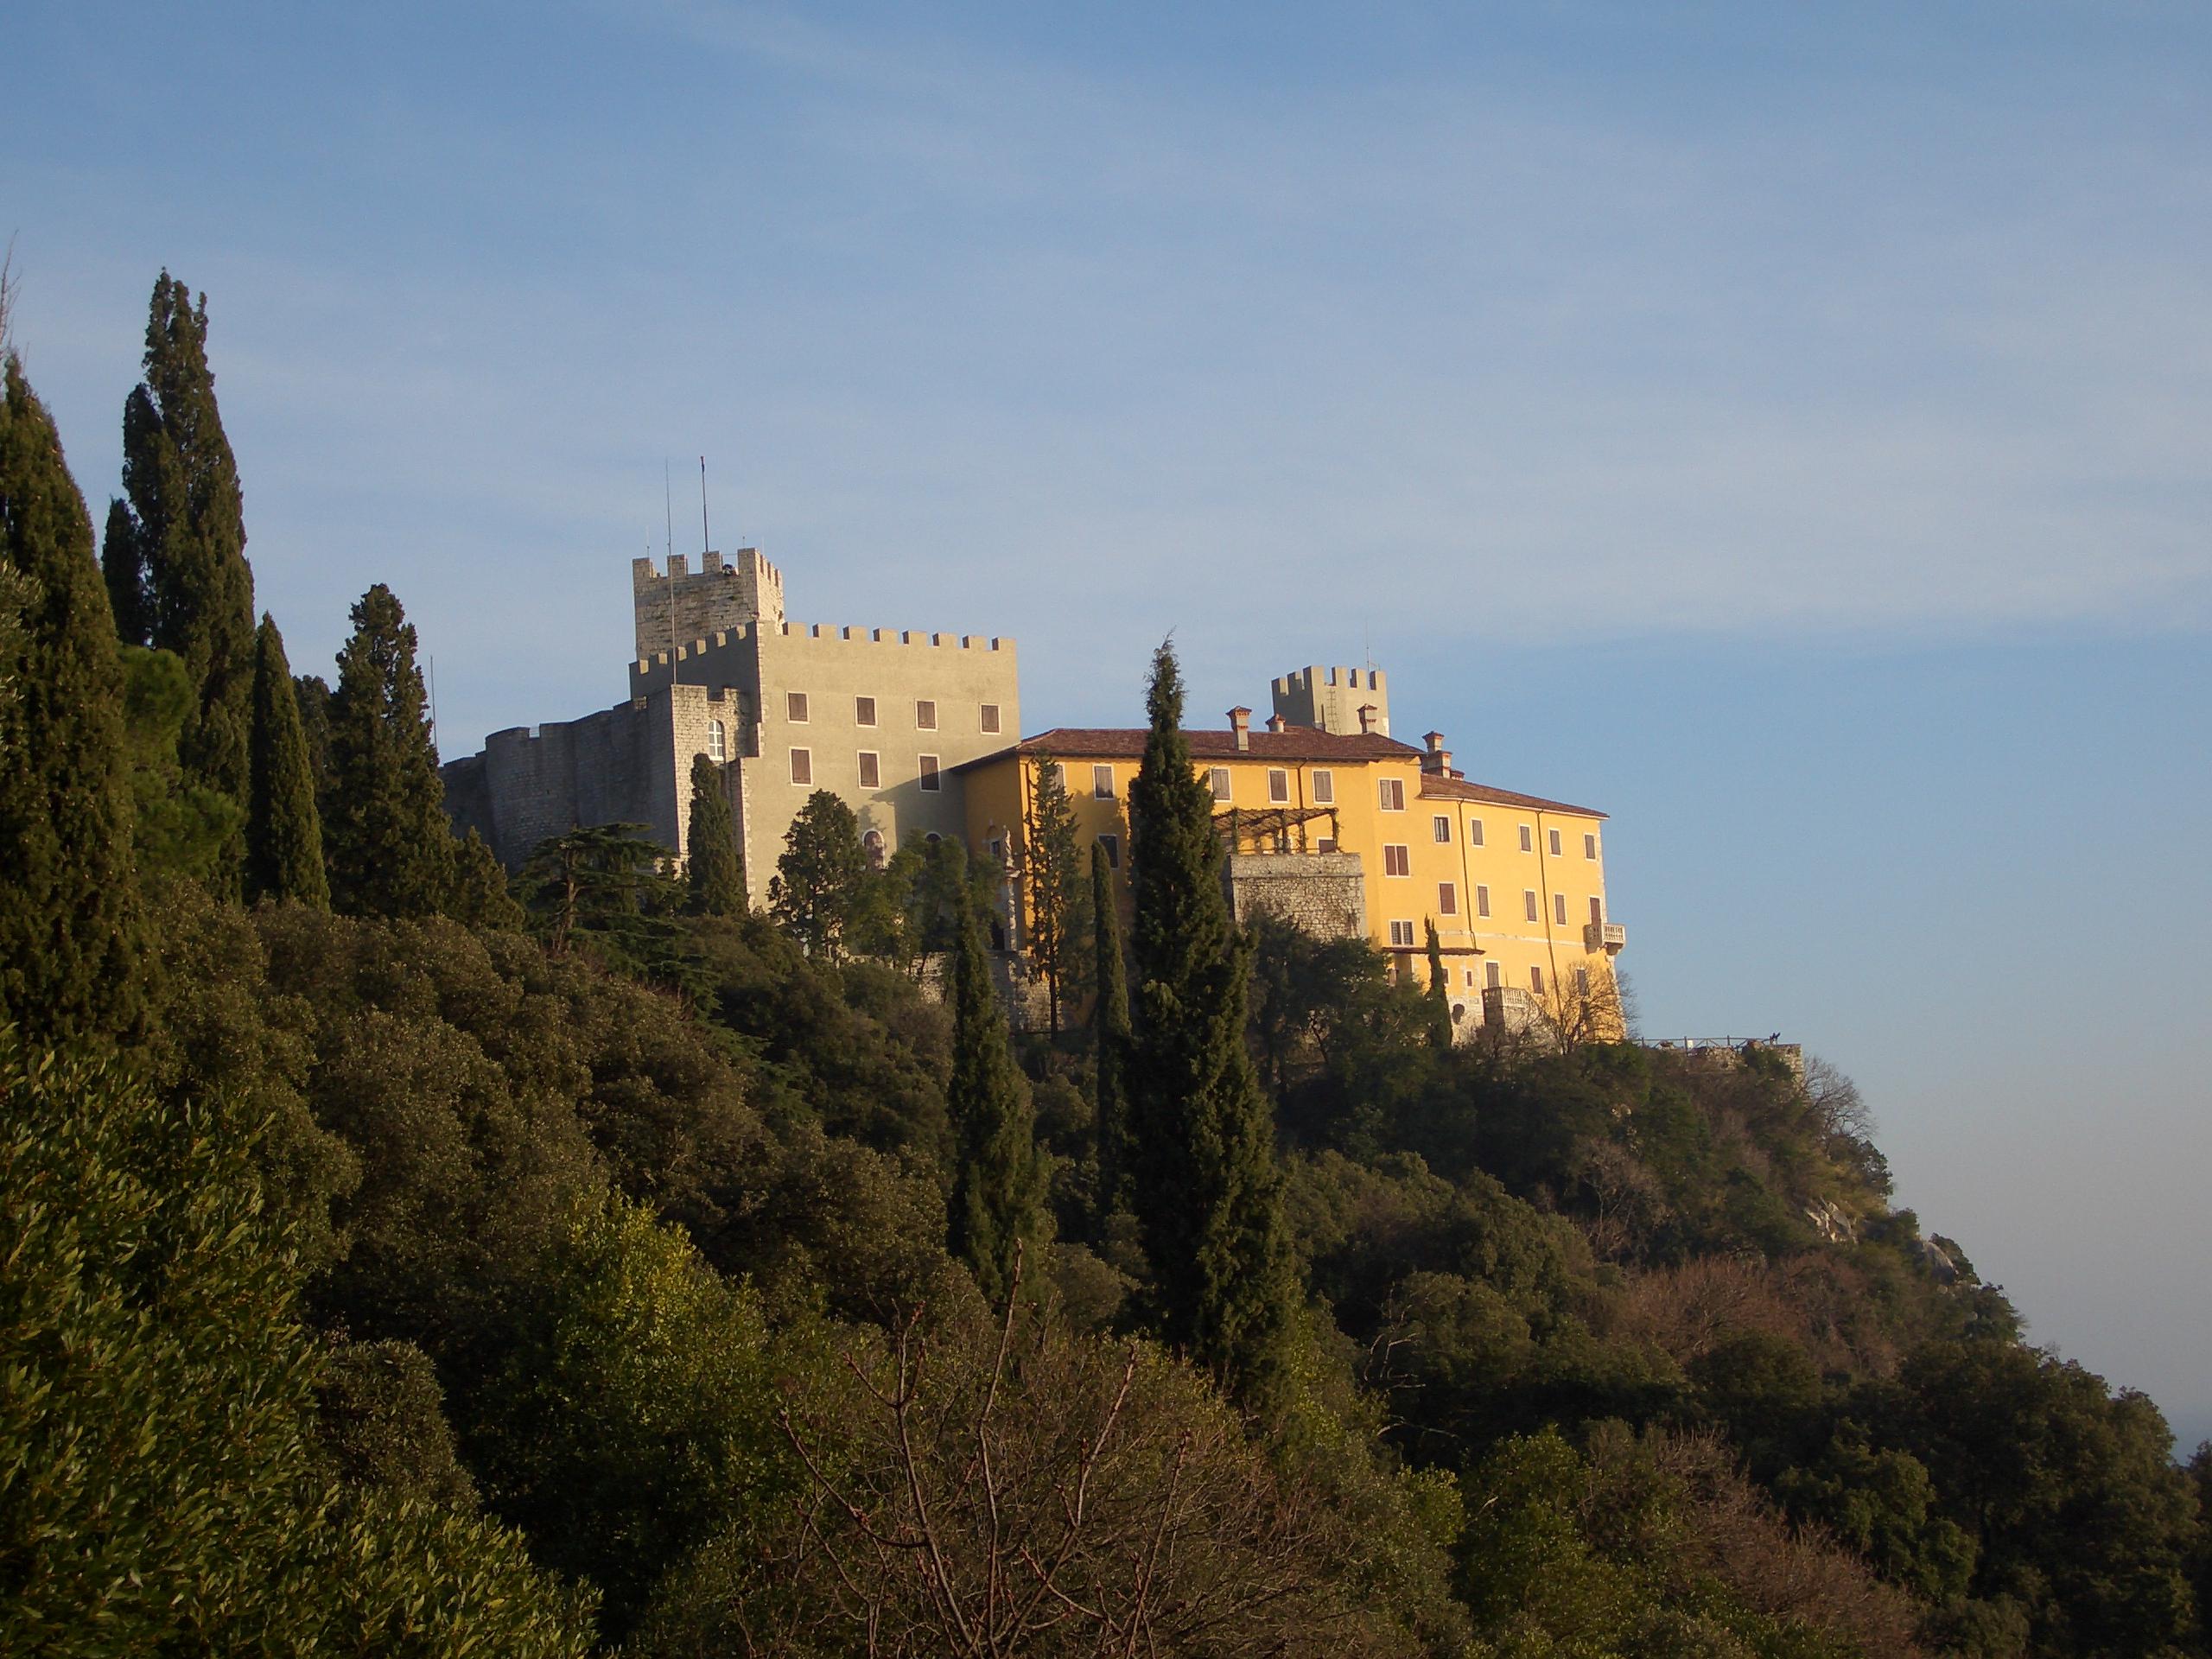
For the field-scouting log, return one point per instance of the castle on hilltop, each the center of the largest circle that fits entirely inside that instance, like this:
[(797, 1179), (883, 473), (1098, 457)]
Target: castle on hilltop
[(1325, 816)]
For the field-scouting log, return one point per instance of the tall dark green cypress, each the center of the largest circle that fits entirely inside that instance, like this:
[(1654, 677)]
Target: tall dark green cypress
[(385, 834), (480, 895), (124, 567), (70, 932), (1204, 1184), (997, 1190), (186, 544), (1109, 1029), (717, 872), (283, 831), (1440, 991)]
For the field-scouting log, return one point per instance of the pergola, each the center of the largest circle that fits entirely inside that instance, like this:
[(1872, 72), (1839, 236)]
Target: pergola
[(1271, 830)]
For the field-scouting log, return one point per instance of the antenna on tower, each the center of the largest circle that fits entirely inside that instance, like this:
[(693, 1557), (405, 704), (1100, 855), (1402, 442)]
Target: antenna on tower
[(667, 507), (706, 543)]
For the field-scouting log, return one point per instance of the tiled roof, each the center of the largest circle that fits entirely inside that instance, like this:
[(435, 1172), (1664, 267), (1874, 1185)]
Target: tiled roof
[(1298, 743), (1459, 789)]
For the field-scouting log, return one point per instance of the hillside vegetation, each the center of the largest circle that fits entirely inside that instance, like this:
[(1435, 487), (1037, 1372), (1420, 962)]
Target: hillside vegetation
[(399, 1261)]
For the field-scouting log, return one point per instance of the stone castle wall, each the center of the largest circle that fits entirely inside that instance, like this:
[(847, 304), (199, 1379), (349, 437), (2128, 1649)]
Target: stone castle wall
[(1326, 894), (1330, 698), (683, 604)]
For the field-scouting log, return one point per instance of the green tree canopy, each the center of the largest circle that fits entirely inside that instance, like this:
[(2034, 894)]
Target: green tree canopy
[(182, 565), (1054, 888), (998, 1214), (819, 880), (1110, 1025), (716, 870), (1205, 1190), (383, 824), (69, 925), (284, 831)]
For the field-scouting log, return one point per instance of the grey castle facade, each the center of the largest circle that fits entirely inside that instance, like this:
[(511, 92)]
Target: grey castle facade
[(880, 717)]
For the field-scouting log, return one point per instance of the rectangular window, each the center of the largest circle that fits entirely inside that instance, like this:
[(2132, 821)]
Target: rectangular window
[(1447, 898), (795, 707), (1528, 839), (717, 741), (1441, 828), (1474, 832), (1278, 786), (1394, 794), (1493, 974), (1529, 905), (1597, 911), (924, 715), (863, 711), (929, 774), (1470, 974), (1060, 773), (1326, 844), (1325, 789), (801, 766), (1101, 782), (1558, 908), (1397, 860), (991, 717), (1589, 846), (1217, 780), (1536, 980), (1554, 836), (1582, 982), (871, 770), (1402, 934), (1482, 901), (1113, 846)]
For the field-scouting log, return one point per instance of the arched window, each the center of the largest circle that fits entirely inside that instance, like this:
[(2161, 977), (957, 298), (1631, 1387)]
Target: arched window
[(717, 741), (871, 842)]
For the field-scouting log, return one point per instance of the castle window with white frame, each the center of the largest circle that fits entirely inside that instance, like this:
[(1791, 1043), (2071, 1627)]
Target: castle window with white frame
[(1528, 839), (930, 782), (1217, 780), (1494, 976), (1101, 782), (1482, 900), (1113, 846), (863, 711), (1558, 908), (871, 769), (802, 765), (1402, 934), (717, 741), (1325, 788), (924, 715), (1589, 846), (1392, 794), (1536, 979), (1447, 898), (1529, 905), (1474, 832), (1397, 860), (1278, 786), (1440, 828), (795, 707), (1554, 843)]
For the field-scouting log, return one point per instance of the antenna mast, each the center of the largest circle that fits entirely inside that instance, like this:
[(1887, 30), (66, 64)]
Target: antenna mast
[(706, 543)]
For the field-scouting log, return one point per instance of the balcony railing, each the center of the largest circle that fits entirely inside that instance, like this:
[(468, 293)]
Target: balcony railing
[(1609, 936)]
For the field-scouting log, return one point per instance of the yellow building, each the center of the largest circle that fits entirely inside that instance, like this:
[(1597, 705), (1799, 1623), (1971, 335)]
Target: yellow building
[(1354, 833)]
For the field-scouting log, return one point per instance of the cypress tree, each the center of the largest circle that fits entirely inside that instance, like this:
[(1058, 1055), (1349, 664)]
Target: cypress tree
[(187, 542), (716, 884), (69, 924), (481, 896), (997, 1193), (1203, 1184), (311, 693), (1055, 888), (384, 833), (124, 567), (1109, 1027), (284, 832), (1440, 991)]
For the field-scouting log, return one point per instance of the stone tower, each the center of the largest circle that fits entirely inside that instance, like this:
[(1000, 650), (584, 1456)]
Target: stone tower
[(1346, 701), (677, 608)]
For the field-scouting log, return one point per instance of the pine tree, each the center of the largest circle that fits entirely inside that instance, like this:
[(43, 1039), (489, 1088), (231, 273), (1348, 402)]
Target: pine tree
[(997, 1193), (1202, 1183), (1056, 891), (283, 831), (185, 551), (1440, 991), (69, 924), (385, 832), (716, 871), (481, 896), (1110, 1025)]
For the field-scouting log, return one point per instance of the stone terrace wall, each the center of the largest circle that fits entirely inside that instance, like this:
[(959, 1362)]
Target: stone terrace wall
[(1326, 894)]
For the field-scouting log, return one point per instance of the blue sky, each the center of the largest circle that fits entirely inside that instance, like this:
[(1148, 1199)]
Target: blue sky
[(1787, 428)]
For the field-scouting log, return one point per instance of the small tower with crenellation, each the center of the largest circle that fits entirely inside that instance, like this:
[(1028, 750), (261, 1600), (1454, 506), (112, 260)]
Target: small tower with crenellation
[(1346, 701), (720, 597)]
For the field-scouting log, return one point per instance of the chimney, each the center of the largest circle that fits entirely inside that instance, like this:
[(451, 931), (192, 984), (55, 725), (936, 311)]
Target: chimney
[(1367, 713), (1240, 721), (1439, 758), (1276, 722)]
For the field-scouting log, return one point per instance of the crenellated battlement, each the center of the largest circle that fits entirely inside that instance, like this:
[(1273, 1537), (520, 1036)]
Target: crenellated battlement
[(679, 603), (1332, 698)]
